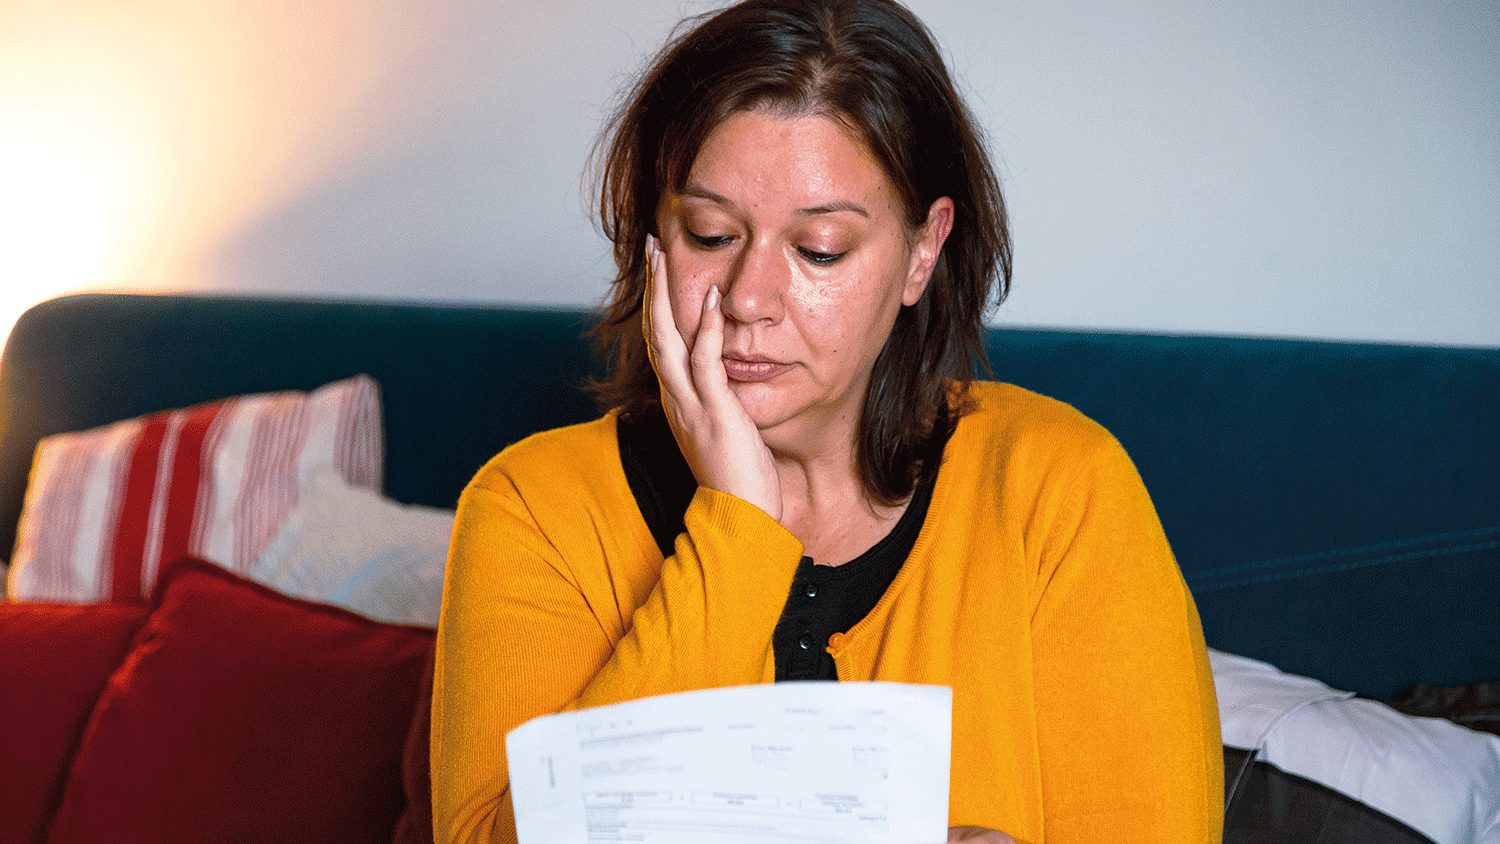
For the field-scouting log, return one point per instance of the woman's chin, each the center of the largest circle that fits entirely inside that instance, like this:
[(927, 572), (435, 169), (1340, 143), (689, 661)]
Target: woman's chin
[(785, 424), (766, 413), (767, 403), (767, 419), (792, 394)]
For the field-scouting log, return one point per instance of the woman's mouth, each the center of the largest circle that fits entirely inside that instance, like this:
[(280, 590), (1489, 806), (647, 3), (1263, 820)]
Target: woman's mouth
[(739, 369)]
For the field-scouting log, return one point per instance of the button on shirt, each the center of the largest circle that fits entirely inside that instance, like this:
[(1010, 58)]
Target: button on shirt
[(825, 600)]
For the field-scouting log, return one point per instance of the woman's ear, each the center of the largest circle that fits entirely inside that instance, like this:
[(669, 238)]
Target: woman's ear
[(926, 248)]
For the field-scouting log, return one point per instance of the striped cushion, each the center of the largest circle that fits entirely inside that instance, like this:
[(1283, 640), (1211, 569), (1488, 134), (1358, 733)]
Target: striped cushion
[(106, 508)]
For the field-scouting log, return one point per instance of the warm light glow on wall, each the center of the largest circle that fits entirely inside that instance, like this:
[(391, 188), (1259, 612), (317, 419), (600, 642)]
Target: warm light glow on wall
[(135, 136), (65, 203), (77, 155), (69, 209)]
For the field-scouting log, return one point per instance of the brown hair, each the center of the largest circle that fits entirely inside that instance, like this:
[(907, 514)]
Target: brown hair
[(872, 65)]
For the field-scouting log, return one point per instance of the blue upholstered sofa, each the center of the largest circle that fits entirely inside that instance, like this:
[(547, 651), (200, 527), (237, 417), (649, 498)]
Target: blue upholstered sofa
[(1334, 507)]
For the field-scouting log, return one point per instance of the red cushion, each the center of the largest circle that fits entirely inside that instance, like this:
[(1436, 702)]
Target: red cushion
[(54, 662), (415, 824), (245, 715)]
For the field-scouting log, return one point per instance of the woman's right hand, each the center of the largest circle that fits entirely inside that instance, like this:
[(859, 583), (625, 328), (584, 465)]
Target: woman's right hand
[(720, 441)]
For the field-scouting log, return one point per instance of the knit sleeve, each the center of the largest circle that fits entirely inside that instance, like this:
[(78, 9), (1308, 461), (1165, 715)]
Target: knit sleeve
[(1127, 719), (537, 618)]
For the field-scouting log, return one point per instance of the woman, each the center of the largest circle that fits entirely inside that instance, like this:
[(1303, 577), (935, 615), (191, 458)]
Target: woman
[(798, 479)]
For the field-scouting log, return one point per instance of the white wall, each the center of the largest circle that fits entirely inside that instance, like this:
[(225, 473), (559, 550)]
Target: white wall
[(1288, 167)]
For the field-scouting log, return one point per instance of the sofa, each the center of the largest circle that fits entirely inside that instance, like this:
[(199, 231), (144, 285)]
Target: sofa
[(1334, 507)]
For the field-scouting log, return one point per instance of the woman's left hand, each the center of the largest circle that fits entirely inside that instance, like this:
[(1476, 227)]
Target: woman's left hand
[(978, 835)]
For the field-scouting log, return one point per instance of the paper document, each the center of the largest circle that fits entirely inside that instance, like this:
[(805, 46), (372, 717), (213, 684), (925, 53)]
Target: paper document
[(789, 762)]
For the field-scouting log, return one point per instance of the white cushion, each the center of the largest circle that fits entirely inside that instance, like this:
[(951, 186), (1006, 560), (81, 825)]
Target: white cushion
[(1431, 774), (357, 549)]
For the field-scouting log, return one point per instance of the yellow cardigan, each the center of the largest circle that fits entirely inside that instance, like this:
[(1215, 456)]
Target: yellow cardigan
[(1041, 589)]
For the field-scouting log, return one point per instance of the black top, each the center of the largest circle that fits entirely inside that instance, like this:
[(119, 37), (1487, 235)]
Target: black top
[(824, 599)]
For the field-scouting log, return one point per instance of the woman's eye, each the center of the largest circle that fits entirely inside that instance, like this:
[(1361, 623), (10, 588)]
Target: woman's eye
[(820, 257), (709, 241)]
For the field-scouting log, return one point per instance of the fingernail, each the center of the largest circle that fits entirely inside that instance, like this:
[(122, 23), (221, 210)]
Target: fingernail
[(711, 301)]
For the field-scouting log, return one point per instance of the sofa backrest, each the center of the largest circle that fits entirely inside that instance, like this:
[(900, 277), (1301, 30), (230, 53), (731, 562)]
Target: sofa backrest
[(458, 383), (1335, 507)]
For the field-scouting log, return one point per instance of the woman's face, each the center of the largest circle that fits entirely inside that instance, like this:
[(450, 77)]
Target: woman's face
[(804, 235)]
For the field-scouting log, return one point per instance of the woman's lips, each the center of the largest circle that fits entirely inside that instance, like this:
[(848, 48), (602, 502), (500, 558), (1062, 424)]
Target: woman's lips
[(739, 369)]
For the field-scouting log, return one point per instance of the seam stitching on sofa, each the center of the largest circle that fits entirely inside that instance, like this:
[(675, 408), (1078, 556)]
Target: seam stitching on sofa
[(1348, 566), (1349, 552)]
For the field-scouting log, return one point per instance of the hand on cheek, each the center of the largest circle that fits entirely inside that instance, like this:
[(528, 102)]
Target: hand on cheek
[(720, 441)]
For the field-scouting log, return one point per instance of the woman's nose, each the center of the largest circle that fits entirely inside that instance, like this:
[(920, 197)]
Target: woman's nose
[(757, 285)]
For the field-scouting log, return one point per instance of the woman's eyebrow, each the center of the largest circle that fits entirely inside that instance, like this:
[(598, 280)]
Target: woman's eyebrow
[(699, 192), (835, 207)]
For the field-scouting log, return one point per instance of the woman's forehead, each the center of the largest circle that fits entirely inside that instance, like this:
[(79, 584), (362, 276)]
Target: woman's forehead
[(805, 163)]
